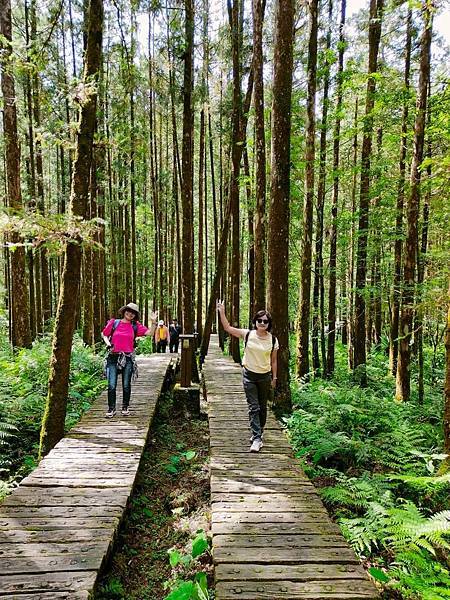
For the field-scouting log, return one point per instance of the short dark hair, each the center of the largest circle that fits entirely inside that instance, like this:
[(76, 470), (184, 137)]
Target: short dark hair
[(259, 315)]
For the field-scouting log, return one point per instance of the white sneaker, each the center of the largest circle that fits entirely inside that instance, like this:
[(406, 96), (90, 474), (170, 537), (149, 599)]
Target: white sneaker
[(256, 445), (125, 412), (110, 413)]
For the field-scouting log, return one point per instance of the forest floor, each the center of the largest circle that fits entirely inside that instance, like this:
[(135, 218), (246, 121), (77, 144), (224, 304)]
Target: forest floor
[(169, 505)]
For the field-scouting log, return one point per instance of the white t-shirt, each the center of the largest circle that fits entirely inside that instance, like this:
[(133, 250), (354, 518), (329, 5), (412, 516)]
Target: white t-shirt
[(257, 354)]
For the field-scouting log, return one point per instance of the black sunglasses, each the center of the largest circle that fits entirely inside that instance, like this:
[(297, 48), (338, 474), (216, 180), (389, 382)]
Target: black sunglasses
[(262, 321)]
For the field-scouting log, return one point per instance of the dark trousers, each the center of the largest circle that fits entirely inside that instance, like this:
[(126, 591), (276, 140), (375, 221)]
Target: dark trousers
[(257, 387), (111, 374), (173, 345), (161, 346)]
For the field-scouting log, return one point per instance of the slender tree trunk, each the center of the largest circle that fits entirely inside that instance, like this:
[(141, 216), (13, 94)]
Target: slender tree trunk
[(393, 337), (334, 209), (278, 246), (376, 11), (351, 304), (318, 288), (305, 274), (402, 391), (260, 238), (187, 184), (201, 217), (251, 240), (55, 411), (233, 11), (18, 297)]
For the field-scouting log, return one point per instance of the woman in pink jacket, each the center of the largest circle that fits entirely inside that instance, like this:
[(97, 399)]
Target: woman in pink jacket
[(120, 335)]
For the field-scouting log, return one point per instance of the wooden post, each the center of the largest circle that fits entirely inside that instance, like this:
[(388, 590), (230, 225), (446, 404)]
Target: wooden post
[(187, 352)]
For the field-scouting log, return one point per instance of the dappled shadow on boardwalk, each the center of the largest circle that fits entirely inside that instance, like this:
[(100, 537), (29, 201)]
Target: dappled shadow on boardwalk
[(57, 528), (272, 537)]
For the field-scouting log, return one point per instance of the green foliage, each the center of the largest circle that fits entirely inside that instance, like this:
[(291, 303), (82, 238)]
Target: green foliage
[(185, 565), (113, 590), (177, 462), (23, 389), (375, 462)]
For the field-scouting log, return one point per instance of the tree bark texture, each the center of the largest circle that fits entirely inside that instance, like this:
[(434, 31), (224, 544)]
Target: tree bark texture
[(187, 166), (55, 411), (260, 218), (376, 10), (18, 297), (334, 207), (279, 215), (402, 389), (396, 294), (305, 269)]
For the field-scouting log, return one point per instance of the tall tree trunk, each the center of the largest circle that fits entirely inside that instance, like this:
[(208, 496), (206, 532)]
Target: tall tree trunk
[(251, 240), (305, 274), (396, 294), (201, 218), (187, 184), (278, 246), (334, 208), (233, 12), (18, 297), (55, 411), (318, 288), (351, 304), (402, 390), (376, 11), (260, 238)]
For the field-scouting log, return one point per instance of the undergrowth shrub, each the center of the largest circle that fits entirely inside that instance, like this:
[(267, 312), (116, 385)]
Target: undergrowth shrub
[(375, 462), (23, 390)]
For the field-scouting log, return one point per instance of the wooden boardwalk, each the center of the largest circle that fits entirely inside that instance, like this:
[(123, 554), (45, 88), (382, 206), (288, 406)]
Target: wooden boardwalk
[(57, 528), (272, 537)]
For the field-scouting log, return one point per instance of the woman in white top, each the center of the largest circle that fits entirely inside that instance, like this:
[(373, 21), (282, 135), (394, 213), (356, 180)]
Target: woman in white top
[(259, 368)]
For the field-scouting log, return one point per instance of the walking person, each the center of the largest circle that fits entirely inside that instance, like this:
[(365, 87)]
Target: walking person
[(174, 332), (259, 368), (120, 335), (161, 337)]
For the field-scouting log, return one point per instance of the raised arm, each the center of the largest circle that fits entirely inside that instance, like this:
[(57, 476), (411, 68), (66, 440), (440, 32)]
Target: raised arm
[(239, 333)]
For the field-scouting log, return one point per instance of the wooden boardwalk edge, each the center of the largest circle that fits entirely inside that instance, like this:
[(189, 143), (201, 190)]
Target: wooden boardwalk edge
[(272, 536), (58, 527)]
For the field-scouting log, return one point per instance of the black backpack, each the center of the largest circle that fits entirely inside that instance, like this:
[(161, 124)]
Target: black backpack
[(274, 339), (115, 326)]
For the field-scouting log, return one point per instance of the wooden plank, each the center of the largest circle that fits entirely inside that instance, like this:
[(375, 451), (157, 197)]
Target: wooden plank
[(270, 528), (305, 572), (46, 583), (271, 590), (45, 564), (63, 512), (35, 523), (278, 540), (291, 517), (36, 550), (39, 536), (284, 556), (62, 496)]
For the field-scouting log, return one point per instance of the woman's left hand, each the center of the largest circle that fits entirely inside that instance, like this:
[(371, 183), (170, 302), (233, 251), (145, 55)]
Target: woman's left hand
[(273, 383)]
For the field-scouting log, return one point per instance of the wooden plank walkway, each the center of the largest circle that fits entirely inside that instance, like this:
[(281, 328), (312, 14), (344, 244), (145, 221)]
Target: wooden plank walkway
[(272, 537), (57, 528)]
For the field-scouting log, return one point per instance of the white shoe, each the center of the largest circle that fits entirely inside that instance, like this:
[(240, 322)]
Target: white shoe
[(125, 412), (256, 445), (110, 413)]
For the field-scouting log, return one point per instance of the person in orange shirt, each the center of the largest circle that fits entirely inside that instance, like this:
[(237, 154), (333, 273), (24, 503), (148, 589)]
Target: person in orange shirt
[(161, 337)]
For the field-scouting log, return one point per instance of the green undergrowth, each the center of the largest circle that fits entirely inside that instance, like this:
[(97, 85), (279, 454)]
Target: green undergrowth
[(375, 462), (162, 550), (23, 390)]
